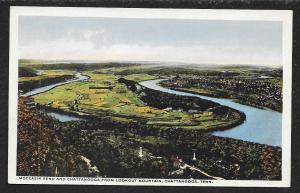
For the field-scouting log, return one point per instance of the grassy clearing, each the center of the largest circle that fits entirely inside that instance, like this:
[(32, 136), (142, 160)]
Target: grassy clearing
[(139, 77), (46, 74), (149, 139), (275, 81)]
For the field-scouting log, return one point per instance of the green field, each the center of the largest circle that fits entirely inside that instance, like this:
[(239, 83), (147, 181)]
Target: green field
[(46, 74), (139, 77)]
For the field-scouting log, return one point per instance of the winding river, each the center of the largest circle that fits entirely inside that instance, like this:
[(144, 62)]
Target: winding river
[(261, 125), (78, 77)]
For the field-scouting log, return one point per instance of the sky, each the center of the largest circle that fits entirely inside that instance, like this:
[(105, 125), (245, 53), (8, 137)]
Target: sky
[(159, 40)]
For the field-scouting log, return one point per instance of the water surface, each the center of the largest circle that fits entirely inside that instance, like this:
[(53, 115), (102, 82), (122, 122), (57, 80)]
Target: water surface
[(261, 125), (63, 117), (78, 77)]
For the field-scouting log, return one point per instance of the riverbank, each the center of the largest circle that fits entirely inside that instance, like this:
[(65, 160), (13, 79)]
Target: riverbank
[(253, 91), (31, 84), (216, 96), (77, 77)]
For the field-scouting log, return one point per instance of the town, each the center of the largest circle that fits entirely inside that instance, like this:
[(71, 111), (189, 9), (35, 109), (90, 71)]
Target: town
[(260, 92)]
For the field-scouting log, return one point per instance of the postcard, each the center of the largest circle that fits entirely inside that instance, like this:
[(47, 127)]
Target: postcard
[(155, 97)]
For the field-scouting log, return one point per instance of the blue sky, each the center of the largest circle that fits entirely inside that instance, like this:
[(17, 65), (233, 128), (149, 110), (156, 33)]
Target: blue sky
[(166, 40)]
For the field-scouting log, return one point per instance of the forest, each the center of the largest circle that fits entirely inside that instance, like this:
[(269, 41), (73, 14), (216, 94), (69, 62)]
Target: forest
[(48, 147)]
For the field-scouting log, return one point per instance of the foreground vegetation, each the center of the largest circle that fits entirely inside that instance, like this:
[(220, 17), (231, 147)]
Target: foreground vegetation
[(47, 147), (40, 151)]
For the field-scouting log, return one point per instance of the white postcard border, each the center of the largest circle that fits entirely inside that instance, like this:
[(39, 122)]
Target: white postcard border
[(285, 16)]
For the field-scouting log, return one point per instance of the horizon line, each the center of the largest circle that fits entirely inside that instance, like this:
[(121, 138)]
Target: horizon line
[(151, 62)]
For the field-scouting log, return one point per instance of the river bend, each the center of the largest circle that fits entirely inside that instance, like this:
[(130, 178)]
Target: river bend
[(261, 125)]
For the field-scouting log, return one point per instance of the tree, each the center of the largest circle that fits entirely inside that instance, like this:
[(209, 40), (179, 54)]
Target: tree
[(40, 152), (33, 141)]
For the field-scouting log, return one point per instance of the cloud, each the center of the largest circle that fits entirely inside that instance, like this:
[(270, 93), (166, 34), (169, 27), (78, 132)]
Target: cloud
[(86, 49), (208, 42)]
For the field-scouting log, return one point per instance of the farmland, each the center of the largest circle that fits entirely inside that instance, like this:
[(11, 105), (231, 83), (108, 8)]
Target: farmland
[(102, 95)]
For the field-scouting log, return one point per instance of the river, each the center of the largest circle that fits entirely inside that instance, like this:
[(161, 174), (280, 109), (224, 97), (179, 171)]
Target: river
[(78, 77), (261, 125), (60, 116)]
